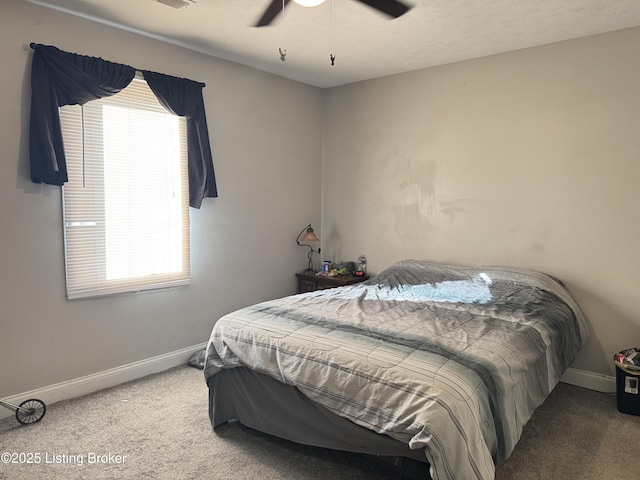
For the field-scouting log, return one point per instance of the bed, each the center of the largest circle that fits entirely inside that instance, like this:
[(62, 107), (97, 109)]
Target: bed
[(431, 365)]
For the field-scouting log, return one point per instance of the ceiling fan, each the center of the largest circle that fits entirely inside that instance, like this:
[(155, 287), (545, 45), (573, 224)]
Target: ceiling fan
[(392, 8)]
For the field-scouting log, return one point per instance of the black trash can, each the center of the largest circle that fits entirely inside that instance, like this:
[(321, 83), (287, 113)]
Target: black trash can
[(628, 381)]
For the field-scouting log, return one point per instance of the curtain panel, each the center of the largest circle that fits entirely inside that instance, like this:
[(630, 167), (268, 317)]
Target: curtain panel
[(61, 78)]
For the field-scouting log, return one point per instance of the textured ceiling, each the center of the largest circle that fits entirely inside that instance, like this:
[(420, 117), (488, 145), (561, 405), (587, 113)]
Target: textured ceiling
[(365, 43)]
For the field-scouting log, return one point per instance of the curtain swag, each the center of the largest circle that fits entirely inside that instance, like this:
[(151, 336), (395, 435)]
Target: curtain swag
[(61, 78)]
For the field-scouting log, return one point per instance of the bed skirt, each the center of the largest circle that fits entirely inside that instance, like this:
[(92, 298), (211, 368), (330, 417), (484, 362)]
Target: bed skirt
[(283, 411)]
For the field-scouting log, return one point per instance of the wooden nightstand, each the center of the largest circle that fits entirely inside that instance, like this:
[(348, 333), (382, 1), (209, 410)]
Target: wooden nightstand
[(311, 283)]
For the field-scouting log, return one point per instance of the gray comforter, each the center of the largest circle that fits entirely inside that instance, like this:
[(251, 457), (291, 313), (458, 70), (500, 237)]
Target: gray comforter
[(452, 360)]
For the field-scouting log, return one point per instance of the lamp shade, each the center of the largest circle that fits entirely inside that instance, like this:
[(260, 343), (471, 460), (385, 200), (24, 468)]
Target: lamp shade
[(309, 236)]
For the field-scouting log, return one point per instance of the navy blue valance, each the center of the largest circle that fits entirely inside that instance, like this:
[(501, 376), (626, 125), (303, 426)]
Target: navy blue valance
[(60, 78)]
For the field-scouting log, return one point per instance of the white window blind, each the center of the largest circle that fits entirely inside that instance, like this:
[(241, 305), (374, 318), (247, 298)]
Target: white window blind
[(125, 206)]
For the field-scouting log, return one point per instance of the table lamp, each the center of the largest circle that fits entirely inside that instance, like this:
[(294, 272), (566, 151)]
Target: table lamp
[(308, 235)]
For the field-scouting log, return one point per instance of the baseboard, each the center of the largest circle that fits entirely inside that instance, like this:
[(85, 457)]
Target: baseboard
[(107, 378), (592, 381)]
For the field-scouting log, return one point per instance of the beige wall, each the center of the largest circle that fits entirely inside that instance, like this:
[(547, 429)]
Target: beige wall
[(266, 146), (528, 158)]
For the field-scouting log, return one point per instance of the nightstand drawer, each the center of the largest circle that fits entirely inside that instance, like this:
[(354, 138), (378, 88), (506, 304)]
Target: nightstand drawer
[(311, 283)]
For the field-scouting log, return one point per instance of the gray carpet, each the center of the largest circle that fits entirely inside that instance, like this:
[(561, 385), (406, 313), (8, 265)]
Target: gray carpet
[(160, 428)]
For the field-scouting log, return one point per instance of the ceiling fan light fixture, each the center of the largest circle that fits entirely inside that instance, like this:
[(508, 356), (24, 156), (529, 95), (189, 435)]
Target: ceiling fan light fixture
[(391, 8), (309, 3)]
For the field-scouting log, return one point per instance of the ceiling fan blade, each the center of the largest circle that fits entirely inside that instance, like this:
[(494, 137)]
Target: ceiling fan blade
[(393, 8), (272, 11)]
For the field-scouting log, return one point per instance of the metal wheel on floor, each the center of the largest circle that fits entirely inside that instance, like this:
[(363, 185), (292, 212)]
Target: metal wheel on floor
[(30, 411)]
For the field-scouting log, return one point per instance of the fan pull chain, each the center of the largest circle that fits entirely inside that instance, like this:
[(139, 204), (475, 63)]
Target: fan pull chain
[(283, 53), (332, 57)]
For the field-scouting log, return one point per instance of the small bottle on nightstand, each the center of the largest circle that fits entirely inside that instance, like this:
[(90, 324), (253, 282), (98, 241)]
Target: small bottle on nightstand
[(362, 266)]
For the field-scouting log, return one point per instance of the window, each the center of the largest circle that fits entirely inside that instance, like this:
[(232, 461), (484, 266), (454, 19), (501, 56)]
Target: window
[(125, 206)]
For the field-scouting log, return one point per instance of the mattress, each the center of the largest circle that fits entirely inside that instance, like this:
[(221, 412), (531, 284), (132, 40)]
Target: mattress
[(450, 361)]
